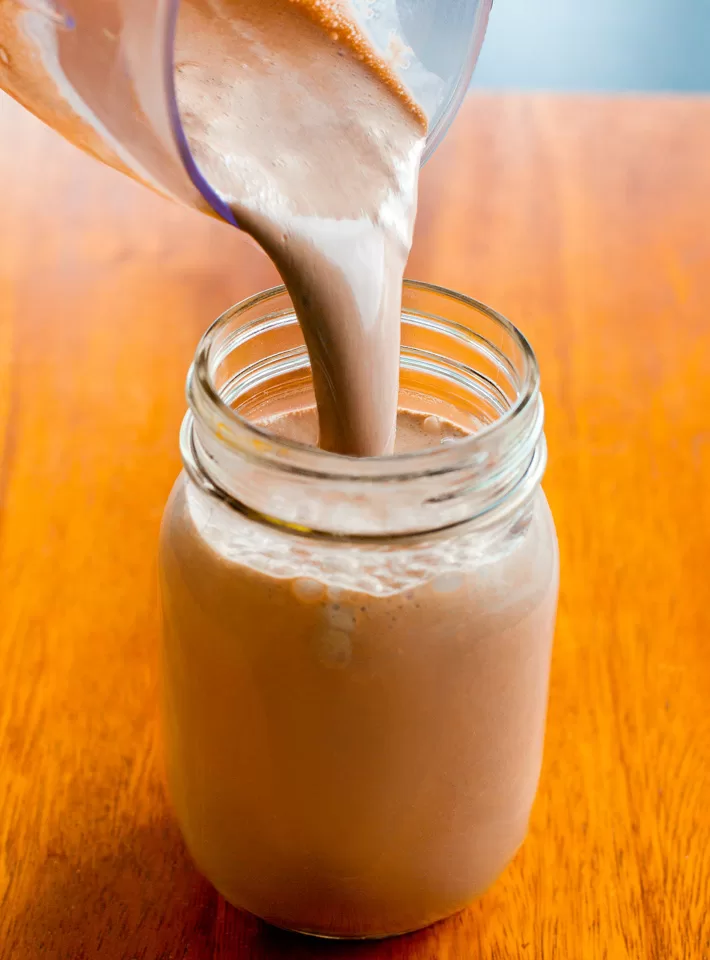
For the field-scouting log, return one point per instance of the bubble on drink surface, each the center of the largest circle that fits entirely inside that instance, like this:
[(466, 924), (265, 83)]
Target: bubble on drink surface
[(308, 590), (4, 57), (341, 617), (335, 649), (432, 426)]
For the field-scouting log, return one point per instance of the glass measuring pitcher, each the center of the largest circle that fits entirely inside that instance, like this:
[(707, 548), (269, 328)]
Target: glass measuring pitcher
[(101, 72)]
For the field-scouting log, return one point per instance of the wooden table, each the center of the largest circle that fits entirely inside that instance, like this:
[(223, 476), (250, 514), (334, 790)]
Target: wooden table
[(587, 221)]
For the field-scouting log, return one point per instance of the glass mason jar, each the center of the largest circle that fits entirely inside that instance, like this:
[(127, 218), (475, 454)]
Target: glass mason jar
[(357, 652)]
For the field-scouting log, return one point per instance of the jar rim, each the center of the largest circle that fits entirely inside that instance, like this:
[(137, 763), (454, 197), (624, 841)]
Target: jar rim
[(256, 443)]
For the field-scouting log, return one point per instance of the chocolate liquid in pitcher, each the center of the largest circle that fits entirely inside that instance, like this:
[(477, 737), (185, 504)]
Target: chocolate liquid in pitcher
[(316, 146)]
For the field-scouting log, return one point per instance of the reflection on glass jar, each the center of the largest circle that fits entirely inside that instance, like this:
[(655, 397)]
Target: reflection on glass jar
[(357, 652)]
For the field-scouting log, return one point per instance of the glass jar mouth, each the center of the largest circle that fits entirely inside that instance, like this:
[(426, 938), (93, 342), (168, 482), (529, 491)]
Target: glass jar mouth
[(518, 417)]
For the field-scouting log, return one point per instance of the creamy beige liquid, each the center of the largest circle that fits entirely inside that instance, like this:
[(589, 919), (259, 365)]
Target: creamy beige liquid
[(353, 760), (415, 431), (316, 147)]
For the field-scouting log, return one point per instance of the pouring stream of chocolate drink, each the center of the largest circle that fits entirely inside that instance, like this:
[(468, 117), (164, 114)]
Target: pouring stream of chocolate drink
[(316, 145)]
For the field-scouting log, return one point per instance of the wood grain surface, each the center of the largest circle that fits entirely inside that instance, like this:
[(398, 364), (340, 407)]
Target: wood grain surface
[(586, 221)]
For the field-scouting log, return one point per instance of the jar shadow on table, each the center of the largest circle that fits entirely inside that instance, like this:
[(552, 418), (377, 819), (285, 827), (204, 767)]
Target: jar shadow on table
[(134, 894)]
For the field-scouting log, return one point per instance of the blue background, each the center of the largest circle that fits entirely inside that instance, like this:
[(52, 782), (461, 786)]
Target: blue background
[(634, 45)]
